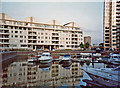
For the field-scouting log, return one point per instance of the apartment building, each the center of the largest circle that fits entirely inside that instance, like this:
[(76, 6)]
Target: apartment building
[(112, 24), (87, 39), (29, 33)]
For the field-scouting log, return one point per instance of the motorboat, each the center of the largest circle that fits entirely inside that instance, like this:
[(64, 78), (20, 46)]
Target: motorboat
[(86, 56), (114, 58), (38, 55), (41, 65), (31, 59), (67, 57), (66, 60), (104, 76), (45, 58), (78, 55)]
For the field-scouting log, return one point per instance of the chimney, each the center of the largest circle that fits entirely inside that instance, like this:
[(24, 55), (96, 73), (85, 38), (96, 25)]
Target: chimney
[(31, 19), (3, 15), (54, 22), (73, 24)]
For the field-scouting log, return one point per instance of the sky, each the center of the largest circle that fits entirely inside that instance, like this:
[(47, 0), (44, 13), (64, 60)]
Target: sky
[(88, 15)]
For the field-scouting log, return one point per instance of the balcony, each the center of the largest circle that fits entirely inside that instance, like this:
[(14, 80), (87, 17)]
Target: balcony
[(55, 42), (32, 34), (55, 39), (32, 39), (5, 43), (4, 37), (55, 35), (5, 33)]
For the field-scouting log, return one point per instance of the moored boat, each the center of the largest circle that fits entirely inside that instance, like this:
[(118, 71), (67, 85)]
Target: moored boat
[(104, 76), (31, 59), (66, 60), (114, 58), (45, 58)]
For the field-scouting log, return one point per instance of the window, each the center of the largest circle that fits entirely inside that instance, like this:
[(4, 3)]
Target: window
[(20, 31), (106, 30), (106, 37), (106, 27), (11, 35), (114, 29), (42, 37), (106, 44), (114, 41), (45, 37), (16, 36), (21, 40), (20, 28), (24, 28), (21, 36), (106, 34), (11, 31), (41, 41), (114, 33), (41, 33), (106, 41), (16, 31), (24, 36), (114, 44)]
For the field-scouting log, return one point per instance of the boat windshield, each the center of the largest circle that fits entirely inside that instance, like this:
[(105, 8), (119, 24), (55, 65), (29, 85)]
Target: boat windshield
[(117, 68), (33, 58), (45, 55), (115, 57), (67, 55)]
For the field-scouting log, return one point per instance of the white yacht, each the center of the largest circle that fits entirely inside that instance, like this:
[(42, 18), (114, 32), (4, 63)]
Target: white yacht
[(114, 58), (45, 58)]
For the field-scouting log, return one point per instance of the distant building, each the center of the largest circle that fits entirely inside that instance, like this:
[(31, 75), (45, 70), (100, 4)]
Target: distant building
[(111, 24), (87, 39), (29, 33)]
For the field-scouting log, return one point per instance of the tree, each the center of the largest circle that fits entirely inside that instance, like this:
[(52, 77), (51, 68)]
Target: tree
[(81, 45), (87, 45)]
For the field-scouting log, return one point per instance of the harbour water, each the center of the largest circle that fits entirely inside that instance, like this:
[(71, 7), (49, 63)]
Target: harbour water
[(21, 73)]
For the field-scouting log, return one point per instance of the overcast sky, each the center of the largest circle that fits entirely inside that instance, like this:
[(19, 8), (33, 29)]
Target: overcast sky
[(88, 15)]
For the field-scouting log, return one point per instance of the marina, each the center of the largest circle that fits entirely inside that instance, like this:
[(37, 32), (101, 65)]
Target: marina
[(46, 69)]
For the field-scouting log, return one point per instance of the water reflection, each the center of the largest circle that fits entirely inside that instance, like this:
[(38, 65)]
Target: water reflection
[(52, 74)]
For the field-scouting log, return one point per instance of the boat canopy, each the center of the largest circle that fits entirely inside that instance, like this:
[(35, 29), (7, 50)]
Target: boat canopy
[(67, 55)]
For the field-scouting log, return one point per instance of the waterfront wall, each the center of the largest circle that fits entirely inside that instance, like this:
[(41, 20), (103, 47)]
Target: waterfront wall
[(71, 51), (11, 54)]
